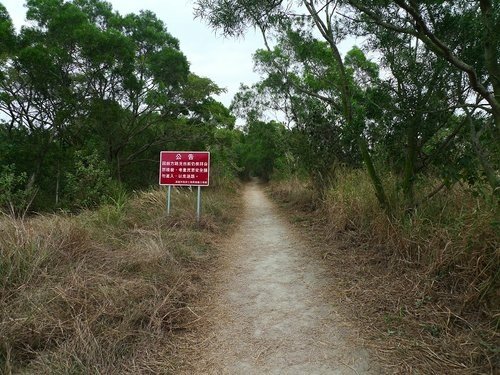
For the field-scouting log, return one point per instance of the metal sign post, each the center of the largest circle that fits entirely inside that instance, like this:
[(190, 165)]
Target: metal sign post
[(198, 205), (169, 191)]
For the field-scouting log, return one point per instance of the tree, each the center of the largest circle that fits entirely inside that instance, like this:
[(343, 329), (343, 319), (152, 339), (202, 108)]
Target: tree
[(417, 40), (260, 148), (7, 38), (462, 33), (81, 77), (234, 17), (301, 78), (454, 41)]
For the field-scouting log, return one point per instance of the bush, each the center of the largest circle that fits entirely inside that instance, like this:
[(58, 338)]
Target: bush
[(89, 184), (16, 195)]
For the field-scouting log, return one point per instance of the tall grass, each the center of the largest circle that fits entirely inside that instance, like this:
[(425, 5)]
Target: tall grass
[(426, 282), (454, 234), (102, 292)]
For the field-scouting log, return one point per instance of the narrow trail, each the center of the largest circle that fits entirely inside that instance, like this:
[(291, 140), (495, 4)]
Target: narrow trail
[(268, 312)]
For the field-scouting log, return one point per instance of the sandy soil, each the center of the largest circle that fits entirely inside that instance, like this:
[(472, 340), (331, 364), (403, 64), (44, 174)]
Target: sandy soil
[(267, 312)]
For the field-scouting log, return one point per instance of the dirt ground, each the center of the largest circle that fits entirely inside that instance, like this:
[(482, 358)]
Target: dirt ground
[(268, 311)]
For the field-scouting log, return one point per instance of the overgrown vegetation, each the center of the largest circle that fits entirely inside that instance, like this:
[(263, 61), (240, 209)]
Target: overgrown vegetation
[(103, 291), (423, 287), (428, 107)]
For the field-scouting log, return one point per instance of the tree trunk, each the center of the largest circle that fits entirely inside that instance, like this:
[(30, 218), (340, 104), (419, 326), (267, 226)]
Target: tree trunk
[(483, 159), (490, 43), (118, 168), (327, 32), (410, 160), (58, 178), (377, 183)]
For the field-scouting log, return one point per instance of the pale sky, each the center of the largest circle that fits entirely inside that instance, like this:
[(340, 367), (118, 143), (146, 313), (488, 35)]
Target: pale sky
[(227, 62)]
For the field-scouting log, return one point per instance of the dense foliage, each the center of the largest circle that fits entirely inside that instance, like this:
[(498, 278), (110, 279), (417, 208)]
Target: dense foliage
[(426, 104), (87, 94), (88, 99)]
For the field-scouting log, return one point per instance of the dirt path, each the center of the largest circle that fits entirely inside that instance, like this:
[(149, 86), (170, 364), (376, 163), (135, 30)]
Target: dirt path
[(268, 313)]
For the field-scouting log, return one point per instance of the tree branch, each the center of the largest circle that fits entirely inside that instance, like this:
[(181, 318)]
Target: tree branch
[(439, 47)]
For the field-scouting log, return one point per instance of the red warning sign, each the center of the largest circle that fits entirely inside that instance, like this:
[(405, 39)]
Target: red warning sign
[(184, 168)]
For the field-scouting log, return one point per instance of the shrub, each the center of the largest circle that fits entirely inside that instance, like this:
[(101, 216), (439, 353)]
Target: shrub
[(16, 195), (89, 184)]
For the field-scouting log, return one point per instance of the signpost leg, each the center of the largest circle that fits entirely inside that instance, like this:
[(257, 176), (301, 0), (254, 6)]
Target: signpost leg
[(168, 199), (198, 205)]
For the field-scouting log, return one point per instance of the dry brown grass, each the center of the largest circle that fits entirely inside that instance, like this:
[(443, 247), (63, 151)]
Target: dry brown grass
[(424, 288), (297, 193), (104, 291)]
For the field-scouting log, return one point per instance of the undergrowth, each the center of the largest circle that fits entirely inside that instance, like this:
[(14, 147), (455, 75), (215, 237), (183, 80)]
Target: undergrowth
[(103, 291), (425, 283)]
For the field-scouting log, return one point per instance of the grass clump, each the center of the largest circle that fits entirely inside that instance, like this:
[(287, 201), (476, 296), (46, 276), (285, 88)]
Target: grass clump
[(103, 291)]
